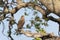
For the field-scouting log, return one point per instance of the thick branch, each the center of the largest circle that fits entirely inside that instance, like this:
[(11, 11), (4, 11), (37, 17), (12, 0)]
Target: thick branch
[(20, 5), (52, 5), (35, 35), (53, 19)]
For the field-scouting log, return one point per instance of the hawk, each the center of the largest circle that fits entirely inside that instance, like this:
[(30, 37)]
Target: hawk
[(20, 23)]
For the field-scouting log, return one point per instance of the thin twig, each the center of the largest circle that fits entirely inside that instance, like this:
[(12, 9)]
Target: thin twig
[(10, 33)]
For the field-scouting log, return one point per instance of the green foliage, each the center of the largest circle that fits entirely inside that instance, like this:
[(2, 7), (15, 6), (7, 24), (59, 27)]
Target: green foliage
[(37, 39), (35, 12), (26, 14), (42, 31), (35, 1), (46, 19), (45, 24), (28, 26), (32, 21), (37, 25), (37, 18)]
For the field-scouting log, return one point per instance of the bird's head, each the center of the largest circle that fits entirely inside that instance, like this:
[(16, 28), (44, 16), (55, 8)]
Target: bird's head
[(22, 17)]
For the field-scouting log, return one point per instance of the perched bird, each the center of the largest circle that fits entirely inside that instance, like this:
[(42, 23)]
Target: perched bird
[(21, 23)]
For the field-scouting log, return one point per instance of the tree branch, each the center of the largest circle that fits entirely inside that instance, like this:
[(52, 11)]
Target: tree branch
[(34, 35), (20, 5), (53, 19), (53, 7), (9, 35)]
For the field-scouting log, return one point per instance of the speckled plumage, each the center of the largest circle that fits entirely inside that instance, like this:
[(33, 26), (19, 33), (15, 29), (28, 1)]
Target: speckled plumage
[(21, 22)]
